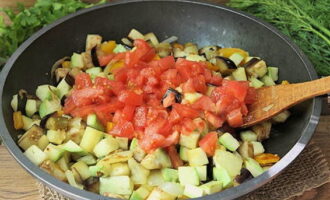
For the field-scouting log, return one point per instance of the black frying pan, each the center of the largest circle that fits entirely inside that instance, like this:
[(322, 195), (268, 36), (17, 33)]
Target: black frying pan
[(203, 23)]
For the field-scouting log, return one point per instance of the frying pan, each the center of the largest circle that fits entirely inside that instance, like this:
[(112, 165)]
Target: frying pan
[(192, 21)]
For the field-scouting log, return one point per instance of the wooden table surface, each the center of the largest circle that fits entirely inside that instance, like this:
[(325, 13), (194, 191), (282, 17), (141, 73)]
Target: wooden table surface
[(17, 184)]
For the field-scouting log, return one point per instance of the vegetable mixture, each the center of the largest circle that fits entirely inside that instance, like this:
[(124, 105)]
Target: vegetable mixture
[(157, 117)]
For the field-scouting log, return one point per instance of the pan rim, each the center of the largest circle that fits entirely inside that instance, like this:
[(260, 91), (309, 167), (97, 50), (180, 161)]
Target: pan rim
[(226, 194)]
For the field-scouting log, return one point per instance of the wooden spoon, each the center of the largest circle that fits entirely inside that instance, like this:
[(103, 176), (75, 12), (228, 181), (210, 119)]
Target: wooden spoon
[(275, 99)]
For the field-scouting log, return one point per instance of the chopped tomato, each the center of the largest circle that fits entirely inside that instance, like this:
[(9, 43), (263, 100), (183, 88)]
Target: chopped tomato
[(204, 103), (174, 157), (209, 143), (82, 111), (130, 98), (150, 142), (128, 112), (86, 96), (185, 111), (236, 88), (140, 117), (123, 129), (199, 84), (226, 103), (82, 80), (105, 59), (213, 119), (143, 52), (188, 126), (174, 117), (235, 118)]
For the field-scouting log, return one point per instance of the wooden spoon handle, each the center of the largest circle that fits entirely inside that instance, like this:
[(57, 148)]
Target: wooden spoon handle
[(274, 99)]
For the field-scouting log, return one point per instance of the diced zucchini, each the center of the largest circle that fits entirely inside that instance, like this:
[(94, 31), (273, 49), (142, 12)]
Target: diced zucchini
[(190, 48), (57, 123), (82, 169), (69, 175), (195, 58), (197, 157), (246, 149), (152, 38), (239, 74), (43, 142), (77, 60), (140, 194), (35, 155), (139, 174), (256, 68), (63, 88), (105, 146), (158, 194), (193, 191), (139, 153), (155, 178), (273, 73), (28, 122), (135, 34), (134, 144), (56, 137), (49, 106), (71, 146), (237, 58), (258, 148), (90, 138), (229, 161), (172, 188), (123, 142), (63, 162), (184, 153), (229, 141), (88, 159), (119, 49), (122, 156), (31, 107), (53, 152), (267, 80), (192, 97), (256, 83), (221, 174), (253, 166), (248, 136), (170, 175), (189, 141), (46, 92), (156, 160), (212, 187), (14, 102), (94, 71), (95, 170), (120, 169), (202, 172), (188, 175), (30, 137)]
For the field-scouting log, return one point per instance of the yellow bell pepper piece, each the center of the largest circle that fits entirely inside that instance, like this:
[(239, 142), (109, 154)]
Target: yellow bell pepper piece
[(265, 159), (156, 57), (285, 82), (110, 126), (108, 47), (227, 52), (212, 67), (18, 120), (116, 65), (66, 64)]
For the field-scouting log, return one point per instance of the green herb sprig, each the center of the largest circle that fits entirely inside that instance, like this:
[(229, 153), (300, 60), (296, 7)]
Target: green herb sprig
[(307, 22), (29, 20)]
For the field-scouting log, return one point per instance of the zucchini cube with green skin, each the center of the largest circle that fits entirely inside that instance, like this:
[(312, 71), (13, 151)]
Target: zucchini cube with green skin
[(56, 137), (90, 138), (170, 175), (155, 178), (197, 157), (46, 92), (267, 80), (49, 106), (229, 141), (88, 159), (94, 71), (256, 83), (156, 160), (221, 174), (273, 73), (70, 177), (63, 88), (31, 107), (158, 194), (77, 60), (258, 148), (53, 152), (139, 153), (134, 144), (212, 187), (140, 194), (202, 172), (72, 147), (248, 136), (43, 142), (120, 169), (139, 174), (63, 163), (105, 146), (229, 161), (188, 175), (82, 169), (107, 162), (93, 122), (172, 188), (95, 170), (184, 153), (35, 155), (253, 166), (123, 142), (192, 191), (239, 74), (189, 141)]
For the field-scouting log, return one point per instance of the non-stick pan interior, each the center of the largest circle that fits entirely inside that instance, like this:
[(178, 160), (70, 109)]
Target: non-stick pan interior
[(191, 22)]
